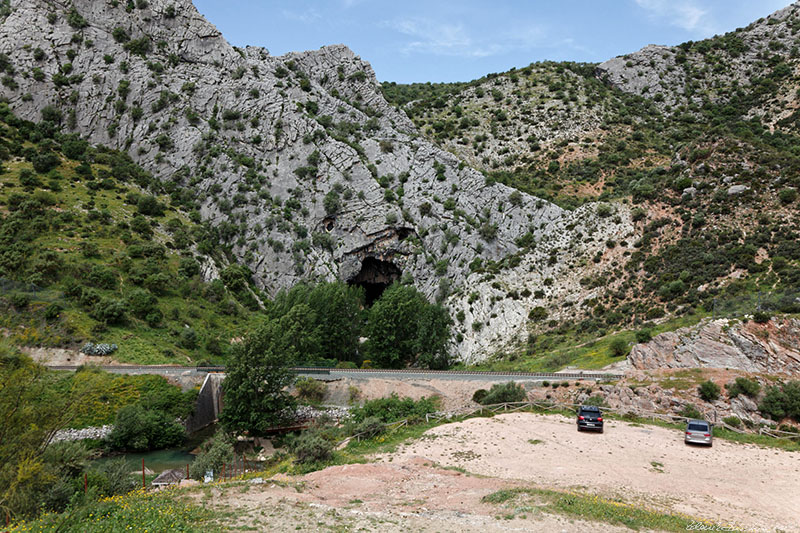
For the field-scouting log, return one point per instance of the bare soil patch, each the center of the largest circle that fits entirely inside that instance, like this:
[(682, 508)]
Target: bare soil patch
[(412, 495), (437, 482), (729, 483)]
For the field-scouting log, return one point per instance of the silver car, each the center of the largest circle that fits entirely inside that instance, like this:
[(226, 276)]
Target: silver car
[(698, 432)]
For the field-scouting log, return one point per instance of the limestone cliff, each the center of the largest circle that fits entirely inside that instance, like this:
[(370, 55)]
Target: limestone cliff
[(772, 348), (299, 162)]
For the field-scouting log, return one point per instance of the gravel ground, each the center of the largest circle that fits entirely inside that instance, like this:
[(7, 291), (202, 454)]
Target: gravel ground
[(418, 488), (730, 483)]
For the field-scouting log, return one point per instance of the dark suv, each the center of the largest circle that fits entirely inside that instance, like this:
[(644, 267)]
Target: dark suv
[(590, 417)]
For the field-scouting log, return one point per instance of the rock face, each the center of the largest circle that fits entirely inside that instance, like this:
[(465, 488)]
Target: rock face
[(771, 348), (299, 162), (714, 69)]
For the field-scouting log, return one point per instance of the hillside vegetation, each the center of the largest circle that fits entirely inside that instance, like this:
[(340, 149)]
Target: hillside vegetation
[(92, 251), (711, 176)]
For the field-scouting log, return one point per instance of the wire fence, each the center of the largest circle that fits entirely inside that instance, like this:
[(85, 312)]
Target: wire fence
[(710, 415)]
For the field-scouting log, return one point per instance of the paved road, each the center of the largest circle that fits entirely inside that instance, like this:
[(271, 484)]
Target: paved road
[(327, 374)]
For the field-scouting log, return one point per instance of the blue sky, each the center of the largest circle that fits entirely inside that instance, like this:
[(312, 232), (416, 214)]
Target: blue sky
[(448, 40)]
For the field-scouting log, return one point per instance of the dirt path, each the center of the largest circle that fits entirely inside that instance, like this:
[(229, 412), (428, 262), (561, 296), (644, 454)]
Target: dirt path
[(730, 483)]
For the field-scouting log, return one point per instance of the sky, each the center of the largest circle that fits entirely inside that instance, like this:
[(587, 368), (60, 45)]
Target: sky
[(461, 40)]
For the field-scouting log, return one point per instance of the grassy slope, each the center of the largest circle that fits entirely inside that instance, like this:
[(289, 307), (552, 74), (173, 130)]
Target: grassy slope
[(75, 220)]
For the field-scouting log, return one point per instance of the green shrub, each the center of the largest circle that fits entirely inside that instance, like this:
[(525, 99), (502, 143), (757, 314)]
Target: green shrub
[(188, 338), (137, 428), (761, 317), (369, 427), (102, 277), (479, 395), (709, 391), (393, 408), (787, 195), (109, 310), (214, 453), (604, 210), (140, 47), (782, 401), (745, 386), (311, 447), (310, 389), (643, 335), (595, 400), (619, 347), (690, 411), (150, 206), (53, 311), (732, 421), (19, 300), (505, 393), (537, 314), (142, 302)]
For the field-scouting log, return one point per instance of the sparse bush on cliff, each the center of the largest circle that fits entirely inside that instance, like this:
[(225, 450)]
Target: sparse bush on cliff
[(709, 391)]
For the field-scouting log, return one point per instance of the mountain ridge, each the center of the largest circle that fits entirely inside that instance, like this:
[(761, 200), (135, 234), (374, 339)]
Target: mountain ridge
[(307, 172)]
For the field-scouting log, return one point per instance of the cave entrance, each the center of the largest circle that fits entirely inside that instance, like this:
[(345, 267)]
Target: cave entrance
[(375, 276)]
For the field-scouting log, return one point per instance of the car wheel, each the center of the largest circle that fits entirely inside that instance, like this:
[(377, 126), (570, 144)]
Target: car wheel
[(601, 430)]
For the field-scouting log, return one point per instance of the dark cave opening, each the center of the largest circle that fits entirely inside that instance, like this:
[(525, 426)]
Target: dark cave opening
[(375, 276)]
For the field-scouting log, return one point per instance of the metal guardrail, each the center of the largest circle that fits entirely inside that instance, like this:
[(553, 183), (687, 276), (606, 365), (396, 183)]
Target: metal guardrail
[(414, 371), (367, 371)]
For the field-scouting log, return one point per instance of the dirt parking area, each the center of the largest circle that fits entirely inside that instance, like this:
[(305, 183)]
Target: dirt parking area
[(745, 485), (437, 483)]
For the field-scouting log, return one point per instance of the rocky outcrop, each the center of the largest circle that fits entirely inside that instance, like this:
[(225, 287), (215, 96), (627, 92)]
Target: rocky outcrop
[(714, 69), (302, 166), (772, 348), (95, 433)]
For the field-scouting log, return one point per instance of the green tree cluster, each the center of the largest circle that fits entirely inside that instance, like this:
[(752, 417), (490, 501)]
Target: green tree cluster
[(36, 475), (404, 328)]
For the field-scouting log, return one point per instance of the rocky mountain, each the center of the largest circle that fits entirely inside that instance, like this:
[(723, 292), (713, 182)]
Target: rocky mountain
[(555, 197), (752, 66), (298, 161), (703, 157)]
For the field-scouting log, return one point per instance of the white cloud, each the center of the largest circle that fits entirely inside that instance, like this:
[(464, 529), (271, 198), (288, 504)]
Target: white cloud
[(306, 16), (685, 14), (453, 39)]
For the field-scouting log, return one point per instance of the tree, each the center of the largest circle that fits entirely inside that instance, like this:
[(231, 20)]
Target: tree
[(300, 333), (213, 454), (403, 328), (619, 347), (322, 321), (258, 373), (338, 308), (31, 410), (433, 337), (139, 429)]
